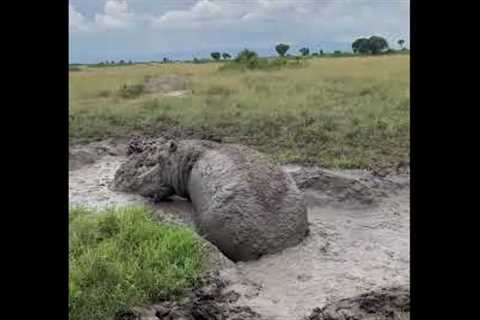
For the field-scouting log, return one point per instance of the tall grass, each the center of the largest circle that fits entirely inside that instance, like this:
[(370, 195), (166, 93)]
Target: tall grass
[(122, 258), (339, 113)]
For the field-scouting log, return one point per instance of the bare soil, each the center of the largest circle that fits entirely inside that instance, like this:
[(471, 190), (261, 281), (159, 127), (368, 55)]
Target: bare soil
[(355, 263), (165, 83)]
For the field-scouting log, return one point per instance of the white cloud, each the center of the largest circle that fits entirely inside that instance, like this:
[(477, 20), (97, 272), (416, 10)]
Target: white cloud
[(115, 16), (204, 11)]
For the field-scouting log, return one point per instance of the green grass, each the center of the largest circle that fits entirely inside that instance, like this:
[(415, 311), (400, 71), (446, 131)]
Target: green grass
[(123, 258), (344, 112)]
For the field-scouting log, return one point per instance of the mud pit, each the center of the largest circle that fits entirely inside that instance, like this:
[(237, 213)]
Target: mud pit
[(358, 243)]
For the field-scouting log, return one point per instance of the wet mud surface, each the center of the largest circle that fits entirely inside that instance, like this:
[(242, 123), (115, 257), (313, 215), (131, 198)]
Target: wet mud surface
[(357, 249)]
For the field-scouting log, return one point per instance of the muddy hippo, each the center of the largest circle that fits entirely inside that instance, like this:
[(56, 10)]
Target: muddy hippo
[(244, 204)]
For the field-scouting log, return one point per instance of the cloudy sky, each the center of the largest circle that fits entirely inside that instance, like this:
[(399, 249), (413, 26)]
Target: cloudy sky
[(182, 29)]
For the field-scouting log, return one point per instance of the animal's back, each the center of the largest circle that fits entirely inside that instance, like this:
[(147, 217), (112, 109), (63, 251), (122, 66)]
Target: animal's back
[(245, 203)]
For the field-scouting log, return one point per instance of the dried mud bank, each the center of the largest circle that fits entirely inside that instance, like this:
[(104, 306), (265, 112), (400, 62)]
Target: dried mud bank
[(357, 249)]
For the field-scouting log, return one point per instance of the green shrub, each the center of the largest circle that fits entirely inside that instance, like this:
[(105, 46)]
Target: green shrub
[(123, 258)]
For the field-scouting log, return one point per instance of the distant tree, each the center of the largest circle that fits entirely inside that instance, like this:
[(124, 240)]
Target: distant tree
[(321, 52), (304, 51), (215, 55), (121, 62), (314, 54), (401, 43), (130, 62), (226, 56), (112, 62), (246, 55), (361, 45), (337, 52), (165, 59), (377, 44), (282, 49)]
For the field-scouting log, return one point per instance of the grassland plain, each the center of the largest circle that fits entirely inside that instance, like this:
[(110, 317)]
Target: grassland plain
[(123, 258), (349, 112)]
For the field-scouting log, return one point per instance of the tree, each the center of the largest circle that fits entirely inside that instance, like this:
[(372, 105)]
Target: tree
[(113, 62), (282, 49), (377, 44), (246, 55), (122, 62), (361, 45), (401, 42), (226, 55), (321, 52), (165, 60), (305, 51), (216, 55)]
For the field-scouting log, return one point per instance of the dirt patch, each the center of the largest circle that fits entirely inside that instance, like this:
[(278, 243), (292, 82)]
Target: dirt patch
[(177, 93), (165, 84), (385, 303), (208, 302)]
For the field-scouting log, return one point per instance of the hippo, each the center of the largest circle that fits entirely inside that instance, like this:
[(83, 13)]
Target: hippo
[(243, 202)]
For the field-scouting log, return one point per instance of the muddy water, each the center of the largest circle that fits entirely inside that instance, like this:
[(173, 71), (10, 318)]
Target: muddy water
[(359, 240), (347, 253)]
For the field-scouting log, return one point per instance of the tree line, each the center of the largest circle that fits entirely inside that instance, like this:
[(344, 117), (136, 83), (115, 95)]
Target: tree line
[(372, 45)]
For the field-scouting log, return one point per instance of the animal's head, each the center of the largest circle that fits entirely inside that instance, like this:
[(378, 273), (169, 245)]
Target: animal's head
[(146, 171)]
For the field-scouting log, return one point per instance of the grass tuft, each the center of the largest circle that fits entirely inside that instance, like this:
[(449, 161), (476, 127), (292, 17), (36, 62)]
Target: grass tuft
[(123, 258)]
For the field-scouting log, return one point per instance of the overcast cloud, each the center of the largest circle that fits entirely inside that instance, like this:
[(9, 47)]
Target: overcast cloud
[(147, 30)]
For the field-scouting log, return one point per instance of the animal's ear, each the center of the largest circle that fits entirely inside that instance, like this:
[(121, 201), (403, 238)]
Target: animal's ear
[(172, 146)]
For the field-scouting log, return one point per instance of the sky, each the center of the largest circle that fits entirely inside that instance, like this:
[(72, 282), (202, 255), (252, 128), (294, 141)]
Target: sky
[(144, 30)]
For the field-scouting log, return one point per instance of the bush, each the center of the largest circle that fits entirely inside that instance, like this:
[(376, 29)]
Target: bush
[(122, 258), (131, 91), (246, 55), (249, 60), (104, 94)]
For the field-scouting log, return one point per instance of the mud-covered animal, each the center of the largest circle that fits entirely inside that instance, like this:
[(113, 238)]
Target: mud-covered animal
[(244, 203)]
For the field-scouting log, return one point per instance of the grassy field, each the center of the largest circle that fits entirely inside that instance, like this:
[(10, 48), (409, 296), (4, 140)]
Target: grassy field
[(123, 258), (335, 112)]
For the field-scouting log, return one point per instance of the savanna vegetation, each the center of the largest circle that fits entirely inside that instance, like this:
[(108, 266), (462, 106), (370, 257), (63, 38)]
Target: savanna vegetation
[(347, 112)]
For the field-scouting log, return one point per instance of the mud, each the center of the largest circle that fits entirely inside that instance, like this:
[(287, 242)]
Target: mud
[(385, 303), (207, 302), (358, 244)]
